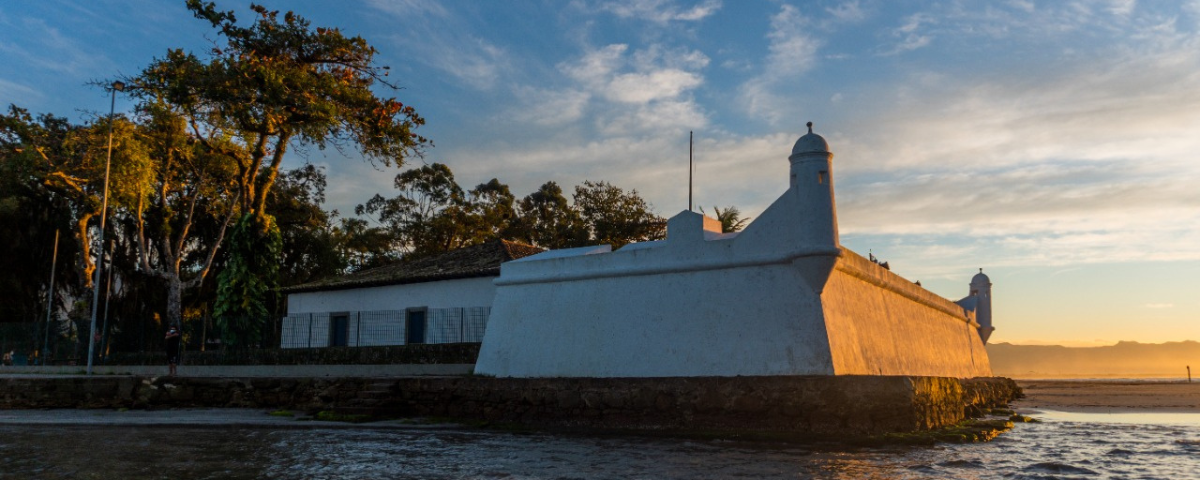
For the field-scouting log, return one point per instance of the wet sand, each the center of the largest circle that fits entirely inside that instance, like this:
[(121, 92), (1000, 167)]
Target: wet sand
[(1110, 396)]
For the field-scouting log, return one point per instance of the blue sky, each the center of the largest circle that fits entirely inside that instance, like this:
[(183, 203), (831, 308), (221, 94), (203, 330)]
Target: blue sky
[(1054, 144)]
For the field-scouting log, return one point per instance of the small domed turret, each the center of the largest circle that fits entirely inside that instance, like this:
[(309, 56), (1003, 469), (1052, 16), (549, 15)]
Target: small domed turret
[(810, 143), (981, 289), (981, 279), (811, 179)]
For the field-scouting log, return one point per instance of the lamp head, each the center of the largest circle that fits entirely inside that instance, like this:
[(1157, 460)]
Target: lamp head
[(118, 86)]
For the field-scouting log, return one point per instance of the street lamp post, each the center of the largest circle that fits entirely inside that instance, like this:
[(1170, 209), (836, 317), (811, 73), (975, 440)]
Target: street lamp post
[(112, 109)]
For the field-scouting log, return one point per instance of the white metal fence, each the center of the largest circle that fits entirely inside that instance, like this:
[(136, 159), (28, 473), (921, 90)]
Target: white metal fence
[(384, 327)]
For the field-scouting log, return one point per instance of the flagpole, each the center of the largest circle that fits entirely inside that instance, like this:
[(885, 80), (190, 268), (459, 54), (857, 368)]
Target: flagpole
[(690, 204)]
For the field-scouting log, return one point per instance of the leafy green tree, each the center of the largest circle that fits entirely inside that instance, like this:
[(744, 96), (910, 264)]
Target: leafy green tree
[(310, 245), (58, 168), (432, 214), (363, 246), (279, 82), (30, 214), (67, 162), (427, 216), (490, 212), (248, 282), (273, 84), (546, 219), (616, 217), (731, 218), (190, 186)]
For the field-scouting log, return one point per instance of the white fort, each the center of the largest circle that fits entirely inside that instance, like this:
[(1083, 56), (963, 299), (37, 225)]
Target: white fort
[(782, 297)]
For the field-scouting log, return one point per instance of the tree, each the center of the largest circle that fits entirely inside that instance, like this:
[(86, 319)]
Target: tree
[(274, 84), (67, 162), (731, 218), (191, 185), (616, 217), (58, 168), (30, 214), (363, 246), (489, 212), (310, 245), (248, 281), (432, 214), (425, 217), (547, 220)]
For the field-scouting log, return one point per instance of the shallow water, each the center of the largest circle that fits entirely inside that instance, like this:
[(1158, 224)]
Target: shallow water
[(1057, 448)]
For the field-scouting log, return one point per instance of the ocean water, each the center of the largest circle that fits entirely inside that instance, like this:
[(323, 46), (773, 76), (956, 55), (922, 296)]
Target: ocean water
[(1065, 445)]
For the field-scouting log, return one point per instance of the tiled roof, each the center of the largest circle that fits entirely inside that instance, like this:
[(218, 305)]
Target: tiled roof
[(481, 260)]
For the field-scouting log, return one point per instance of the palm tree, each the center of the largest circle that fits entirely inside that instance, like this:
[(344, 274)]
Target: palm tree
[(730, 218)]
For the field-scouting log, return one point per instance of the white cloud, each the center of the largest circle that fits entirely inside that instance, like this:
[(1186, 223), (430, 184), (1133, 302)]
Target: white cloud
[(657, 118), (479, 64), (849, 12), (550, 107), (443, 41), (1075, 164), (1121, 7), (659, 11), (911, 34), (55, 52), (641, 88), (1159, 306), (1026, 6), (792, 53), (13, 90), (409, 8), (645, 91), (595, 67)]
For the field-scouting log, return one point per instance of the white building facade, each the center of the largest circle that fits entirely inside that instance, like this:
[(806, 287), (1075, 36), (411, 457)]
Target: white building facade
[(441, 299), (781, 297)]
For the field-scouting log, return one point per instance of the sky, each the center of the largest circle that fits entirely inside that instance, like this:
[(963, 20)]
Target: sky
[(1052, 143)]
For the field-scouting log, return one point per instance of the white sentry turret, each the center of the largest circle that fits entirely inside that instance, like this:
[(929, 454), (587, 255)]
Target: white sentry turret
[(981, 288), (812, 180)]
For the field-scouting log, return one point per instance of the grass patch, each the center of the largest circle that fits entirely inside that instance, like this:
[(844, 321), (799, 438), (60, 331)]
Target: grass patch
[(332, 416), (282, 413)]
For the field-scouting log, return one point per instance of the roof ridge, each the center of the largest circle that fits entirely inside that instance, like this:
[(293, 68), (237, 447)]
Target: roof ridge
[(481, 259)]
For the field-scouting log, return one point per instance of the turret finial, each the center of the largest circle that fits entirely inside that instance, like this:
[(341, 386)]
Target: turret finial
[(981, 270), (809, 127)]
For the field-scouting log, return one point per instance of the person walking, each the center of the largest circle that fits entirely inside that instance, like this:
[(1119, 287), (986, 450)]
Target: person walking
[(172, 348)]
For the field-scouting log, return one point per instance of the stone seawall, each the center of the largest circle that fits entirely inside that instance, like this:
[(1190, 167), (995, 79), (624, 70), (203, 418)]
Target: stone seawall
[(803, 405)]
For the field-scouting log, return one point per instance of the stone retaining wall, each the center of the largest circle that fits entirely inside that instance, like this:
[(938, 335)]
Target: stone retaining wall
[(809, 405)]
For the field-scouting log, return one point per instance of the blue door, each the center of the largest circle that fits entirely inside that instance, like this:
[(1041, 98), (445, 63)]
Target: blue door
[(339, 333), (416, 327)]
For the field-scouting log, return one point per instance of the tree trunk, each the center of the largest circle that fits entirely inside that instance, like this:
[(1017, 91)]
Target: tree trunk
[(86, 265), (174, 300)]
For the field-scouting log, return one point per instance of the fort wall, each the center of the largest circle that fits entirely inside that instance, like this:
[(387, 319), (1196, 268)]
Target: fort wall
[(704, 322), (882, 324)]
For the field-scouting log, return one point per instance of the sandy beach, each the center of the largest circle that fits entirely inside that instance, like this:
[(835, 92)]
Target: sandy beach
[(1110, 396)]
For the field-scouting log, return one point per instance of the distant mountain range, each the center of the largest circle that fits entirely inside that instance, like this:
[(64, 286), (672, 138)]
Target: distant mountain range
[(1125, 359)]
